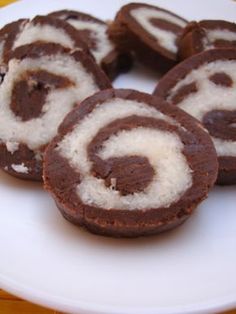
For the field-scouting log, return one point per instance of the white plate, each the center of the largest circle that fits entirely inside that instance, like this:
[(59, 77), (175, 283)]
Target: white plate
[(48, 261)]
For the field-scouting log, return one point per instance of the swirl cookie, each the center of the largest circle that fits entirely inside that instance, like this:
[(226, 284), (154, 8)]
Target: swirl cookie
[(94, 33), (205, 35), (40, 28), (43, 83), (150, 32), (204, 86), (125, 163)]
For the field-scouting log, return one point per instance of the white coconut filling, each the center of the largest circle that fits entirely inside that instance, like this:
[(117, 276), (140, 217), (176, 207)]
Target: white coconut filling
[(163, 150), (12, 147), (39, 131), (210, 97), (32, 33), (225, 148), (104, 45), (21, 168), (218, 34), (165, 38), (102, 115)]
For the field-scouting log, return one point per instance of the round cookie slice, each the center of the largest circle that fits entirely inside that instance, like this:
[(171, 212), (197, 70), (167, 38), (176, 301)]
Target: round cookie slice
[(43, 83), (93, 31), (40, 28), (205, 87), (205, 35), (127, 164), (150, 32)]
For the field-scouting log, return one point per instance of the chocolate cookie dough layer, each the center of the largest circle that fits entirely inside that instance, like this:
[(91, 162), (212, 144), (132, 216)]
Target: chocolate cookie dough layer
[(205, 87), (150, 32), (205, 35), (41, 28), (42, 84), (94, 33), (125, 163), (8, 35)]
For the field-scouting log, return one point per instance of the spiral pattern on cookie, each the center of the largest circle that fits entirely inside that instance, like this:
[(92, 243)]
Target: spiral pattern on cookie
[(206, 34), (124, 152), (40, 28), (204, 86), (150, 32), (42, 84), (93, 31)]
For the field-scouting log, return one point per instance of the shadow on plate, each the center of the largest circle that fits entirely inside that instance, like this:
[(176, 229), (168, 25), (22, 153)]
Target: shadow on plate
[(190, 228), (13, 182), (72, 234)]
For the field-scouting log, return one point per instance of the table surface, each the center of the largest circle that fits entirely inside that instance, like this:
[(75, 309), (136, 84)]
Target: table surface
[(10, 304)]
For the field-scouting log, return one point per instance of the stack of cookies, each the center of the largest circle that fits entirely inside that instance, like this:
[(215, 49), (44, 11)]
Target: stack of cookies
[(117, 161)]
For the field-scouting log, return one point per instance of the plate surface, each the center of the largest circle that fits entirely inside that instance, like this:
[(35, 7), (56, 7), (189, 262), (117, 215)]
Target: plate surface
[(48, 261)]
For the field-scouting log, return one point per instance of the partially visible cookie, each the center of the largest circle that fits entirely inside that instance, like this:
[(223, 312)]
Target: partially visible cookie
[(93, 31), (150, 32), (204, 86), (43, 83), (205, 35), (40, 28), (127, 164)]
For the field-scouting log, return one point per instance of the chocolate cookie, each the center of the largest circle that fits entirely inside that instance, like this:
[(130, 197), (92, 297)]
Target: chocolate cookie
[(125, 163), (40, 28), (205, 35), (43, 83), (150, 32), (205, 87), (94, 33)]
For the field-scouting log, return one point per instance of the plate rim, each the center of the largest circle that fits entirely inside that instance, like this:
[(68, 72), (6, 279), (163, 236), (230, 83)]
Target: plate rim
[(62, 304)]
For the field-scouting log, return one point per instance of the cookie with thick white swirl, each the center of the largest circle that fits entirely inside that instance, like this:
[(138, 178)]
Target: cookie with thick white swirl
[(93, 31), (127, 164), (205, 35), (43, 83), (205, 87), (150, 32), (40, 28)]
